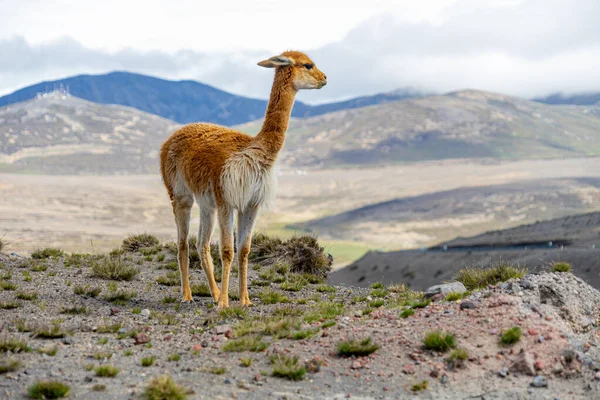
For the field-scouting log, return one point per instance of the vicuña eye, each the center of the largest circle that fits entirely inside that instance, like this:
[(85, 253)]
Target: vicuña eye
[(308, 66)]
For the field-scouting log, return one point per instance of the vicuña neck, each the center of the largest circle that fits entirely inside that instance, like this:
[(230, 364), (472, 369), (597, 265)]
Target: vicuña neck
[(272, 133)]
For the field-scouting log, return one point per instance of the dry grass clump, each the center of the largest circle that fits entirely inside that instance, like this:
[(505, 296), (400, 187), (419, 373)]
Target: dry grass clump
[(303, 254), (478, 278), (9, 365), (106, 371), (357, 348), (48, 252), (136, 242), (48, 390), (164, 388), (114, 268), (287, 367), (14, 345)]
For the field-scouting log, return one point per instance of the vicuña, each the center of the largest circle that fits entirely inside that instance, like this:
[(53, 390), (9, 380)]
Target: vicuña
[(227, 171)]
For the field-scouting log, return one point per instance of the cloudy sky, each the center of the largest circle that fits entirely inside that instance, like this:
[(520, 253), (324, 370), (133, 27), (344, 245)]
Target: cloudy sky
[(520, 47)]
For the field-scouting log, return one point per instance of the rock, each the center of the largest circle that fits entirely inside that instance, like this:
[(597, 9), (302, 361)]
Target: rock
[(197, 347), (538, 365), (356, 365), (122, 330), (313, 366), (223, 329), (569, 355), (539, 381), (557, 368), (525, 284), (524, 364), (227, 381), (141, 338), (409, 369), (445, 288), (88, 379), (444, 379), (145, 313), (597, 377), (114, 311), (503, 373), (532, 332), (467, 305), (68, 340)]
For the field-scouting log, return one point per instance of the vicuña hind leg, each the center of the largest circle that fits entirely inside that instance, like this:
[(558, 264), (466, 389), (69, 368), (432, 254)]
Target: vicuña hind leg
[(245, 225), (181, 208), (208, 218), (226, 243)]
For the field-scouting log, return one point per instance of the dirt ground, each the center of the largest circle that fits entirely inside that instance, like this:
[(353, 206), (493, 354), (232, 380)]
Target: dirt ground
[(557, 313)]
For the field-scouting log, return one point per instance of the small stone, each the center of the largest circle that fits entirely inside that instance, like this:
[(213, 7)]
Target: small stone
[(122, 330), (223, 329), (538, 365), (145, 313), (467, 305), (597, 376), (503, 373), (67, 340), (539, 381), (532, 332), (525, 284), (356, 365), (540, 339), (445, 288), (414, 356), (227, 381), (557, 368), (141, 338), (524, 364), (197, 347), (114, 311), (444, 379), (88, 379), (409, 369), (313, 366)]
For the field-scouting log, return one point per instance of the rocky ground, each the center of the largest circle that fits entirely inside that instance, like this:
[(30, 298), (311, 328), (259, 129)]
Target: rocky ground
[(556, 357)]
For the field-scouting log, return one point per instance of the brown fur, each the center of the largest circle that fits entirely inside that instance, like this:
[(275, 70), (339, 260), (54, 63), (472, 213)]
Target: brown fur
[(195, 158)]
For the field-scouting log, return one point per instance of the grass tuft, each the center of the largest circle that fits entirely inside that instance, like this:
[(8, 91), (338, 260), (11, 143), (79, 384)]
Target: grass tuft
[(407, 313), (48, 252), (287, 367), (164, 388), (49, 331), (148, 361), (270, 296), (511, 336), (87, 291), (121, 297), (439, 341), (357, 348), (29, 296), (114, 268), (136, 242), (48, 390), (561, 267), (13, 345), (246, 343), (5, 285), (419, 387), (9, 365), (171, 278), (106, 371), (479, 278)]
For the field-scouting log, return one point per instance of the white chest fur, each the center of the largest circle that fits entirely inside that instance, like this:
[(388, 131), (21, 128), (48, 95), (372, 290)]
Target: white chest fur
[(248, 182)]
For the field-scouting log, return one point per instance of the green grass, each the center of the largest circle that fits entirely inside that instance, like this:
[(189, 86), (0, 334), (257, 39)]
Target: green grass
[(29, 296), (246, 362), (98, 387), (419, 303), (48, 252), (102, 355), (419, 386), (5, 285), (109, 327), (75, 310), (148, 361), (121, 297), (218, 370), (9, 305), (356, 348), (294, 283), (561, 267), (106, 371), (14, 345), (136, 242), (234, 312), (102, 340), (9, 365), (246, 343), (48, 350), (453, 296), (407, 313), (164, 318), (48, 390), (511, 336), (169, 299), (479, 278), (270, 296), (324, 311), (377, 285), (458, 357), (114, 268), (325, 289), (376, 303), (380, 292), (303, 334), (164, 388), (49, 331), (174, 357), (287, 367), (439, 341), (171, 278), (200, 290)]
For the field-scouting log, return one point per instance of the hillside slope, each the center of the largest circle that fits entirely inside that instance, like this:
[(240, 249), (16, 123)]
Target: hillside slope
[(61, 134), (466, 124)]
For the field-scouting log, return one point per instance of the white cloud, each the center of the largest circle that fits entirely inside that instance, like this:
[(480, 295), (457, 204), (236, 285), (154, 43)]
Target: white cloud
[(526, 48)]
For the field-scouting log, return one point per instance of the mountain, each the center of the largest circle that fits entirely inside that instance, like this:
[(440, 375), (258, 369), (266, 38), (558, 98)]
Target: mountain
[(464, 124), (183, 101), (61, 134), (585, 99)]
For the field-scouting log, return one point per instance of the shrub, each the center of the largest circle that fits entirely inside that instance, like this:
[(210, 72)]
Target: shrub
[(163, 388), (9, 305), (48, 390), (287, 367), (439, 341), (136, 242), (561, 267), (511, 336), (478, 278), (48, 252), (114, 268)]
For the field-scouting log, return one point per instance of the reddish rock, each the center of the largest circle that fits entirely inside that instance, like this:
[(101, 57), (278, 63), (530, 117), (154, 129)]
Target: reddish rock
[(409, 369), (532, 332), (538, 365), (114, 311), (197, 347), (223, 330), (141, 338), (414, 356), (356, 365)]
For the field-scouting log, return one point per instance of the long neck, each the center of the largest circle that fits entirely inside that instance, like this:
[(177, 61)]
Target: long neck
[(272, 134)]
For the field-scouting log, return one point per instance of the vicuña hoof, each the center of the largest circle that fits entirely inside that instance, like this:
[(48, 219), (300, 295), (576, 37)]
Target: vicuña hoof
[(245, 301), (223, 304)]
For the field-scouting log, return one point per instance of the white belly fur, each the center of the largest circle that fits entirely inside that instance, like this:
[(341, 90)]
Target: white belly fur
[(246, 182)]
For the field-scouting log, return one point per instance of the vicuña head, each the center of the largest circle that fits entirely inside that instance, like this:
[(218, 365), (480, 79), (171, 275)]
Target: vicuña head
[(226, 171)]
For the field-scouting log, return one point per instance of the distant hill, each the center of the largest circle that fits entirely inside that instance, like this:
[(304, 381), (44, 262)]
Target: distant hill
[(183, 101), (585, 99), (60, 134), (465, 124)]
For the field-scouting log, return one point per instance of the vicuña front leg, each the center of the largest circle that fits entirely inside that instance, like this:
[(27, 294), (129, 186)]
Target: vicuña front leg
[(245, 224), (181, 209), (226, 244)]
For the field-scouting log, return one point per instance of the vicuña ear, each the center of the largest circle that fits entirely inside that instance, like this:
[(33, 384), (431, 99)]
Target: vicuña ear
[(277, 61)]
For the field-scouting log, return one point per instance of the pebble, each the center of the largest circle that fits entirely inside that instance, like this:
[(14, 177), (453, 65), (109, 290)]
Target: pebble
[(141, 338), (503, 373), (540, 339), (597, 377), (122, 330), (145, 313), (408, 369), (524, 364), (539, 381)]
